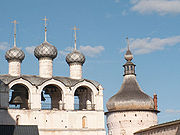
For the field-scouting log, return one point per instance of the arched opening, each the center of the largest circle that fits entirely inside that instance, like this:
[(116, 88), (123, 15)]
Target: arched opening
[(83, 99), (18, 96), (51, 98), (17, 119), (84, 122)]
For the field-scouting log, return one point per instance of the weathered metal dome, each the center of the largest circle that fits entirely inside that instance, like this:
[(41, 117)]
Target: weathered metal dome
[(75, 57), (130, 97), (45, 50), (15, 54)]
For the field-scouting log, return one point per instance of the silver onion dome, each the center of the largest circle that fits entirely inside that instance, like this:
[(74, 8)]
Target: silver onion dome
[(75, 57), (15, 54), (45, 50)]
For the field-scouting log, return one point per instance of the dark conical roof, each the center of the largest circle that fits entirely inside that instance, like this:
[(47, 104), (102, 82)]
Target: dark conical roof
[(130, 97)]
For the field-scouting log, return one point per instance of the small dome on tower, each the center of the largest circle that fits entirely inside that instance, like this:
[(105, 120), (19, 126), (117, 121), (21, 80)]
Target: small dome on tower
[(128, 56), (45, 50), (15, 54), (75, 57)]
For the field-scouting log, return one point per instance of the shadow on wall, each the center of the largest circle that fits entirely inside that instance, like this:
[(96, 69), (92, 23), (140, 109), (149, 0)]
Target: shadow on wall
[(5, 117), (19, 130)]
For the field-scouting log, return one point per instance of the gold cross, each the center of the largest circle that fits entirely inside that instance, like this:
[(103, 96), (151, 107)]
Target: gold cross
[(45, 20), (15, 22), (75, 29)]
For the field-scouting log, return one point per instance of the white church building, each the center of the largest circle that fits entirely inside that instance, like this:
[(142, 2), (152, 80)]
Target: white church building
[(57, 105)]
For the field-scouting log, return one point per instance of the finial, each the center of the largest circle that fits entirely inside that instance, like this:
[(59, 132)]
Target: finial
[(75, 36), (15, 22), (45, 24), (127, 43), (128, 56)]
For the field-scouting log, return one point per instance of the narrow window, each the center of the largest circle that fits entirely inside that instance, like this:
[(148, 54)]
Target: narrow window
[(84, 122)]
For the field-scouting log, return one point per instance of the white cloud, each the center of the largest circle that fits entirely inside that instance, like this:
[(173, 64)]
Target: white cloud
[(4, 46), (86, 50), (148, 45), (172, 111), (91, 51), (66, 51), (30, 49), (161, 7)]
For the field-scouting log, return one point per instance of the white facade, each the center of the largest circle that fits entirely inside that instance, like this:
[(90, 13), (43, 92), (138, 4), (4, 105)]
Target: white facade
[(14, 67), (65, 120), (129, 122)]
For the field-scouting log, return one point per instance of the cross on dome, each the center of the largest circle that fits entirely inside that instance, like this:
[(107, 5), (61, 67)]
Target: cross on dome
[(75, 29), (45, 24), (15, 22)]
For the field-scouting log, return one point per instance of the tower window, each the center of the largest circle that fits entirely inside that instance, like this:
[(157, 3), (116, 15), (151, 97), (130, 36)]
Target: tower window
[(124, 115), (84, 122), (135, 114)]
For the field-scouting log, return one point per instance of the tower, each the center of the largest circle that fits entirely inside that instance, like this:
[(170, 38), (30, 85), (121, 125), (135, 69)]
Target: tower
[(15, 56), (75, 60), (130, 109), (45, 53)]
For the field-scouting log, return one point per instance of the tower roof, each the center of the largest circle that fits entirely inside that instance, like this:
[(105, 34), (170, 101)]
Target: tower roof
[(130, 96)]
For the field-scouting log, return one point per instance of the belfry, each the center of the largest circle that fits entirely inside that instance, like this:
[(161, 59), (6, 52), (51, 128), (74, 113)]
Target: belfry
[(57, 105)]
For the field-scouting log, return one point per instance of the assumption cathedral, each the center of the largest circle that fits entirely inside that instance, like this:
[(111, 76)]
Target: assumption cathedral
[(54, 105)]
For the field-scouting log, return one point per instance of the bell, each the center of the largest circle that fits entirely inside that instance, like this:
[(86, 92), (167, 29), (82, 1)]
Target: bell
[(16, 99), (42, 97)]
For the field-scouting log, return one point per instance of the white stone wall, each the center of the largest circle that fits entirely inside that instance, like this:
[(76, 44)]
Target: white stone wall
[(75, 71), (15, 68), (45, 67), (50, 121), (55, 122), (129, 122)]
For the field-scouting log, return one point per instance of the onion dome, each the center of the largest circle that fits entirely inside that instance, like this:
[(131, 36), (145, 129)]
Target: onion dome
[(75, 57), (15, 54), (45, 50)]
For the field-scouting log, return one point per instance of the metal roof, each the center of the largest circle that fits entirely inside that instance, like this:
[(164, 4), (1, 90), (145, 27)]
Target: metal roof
[(37, 81), (19, 130)]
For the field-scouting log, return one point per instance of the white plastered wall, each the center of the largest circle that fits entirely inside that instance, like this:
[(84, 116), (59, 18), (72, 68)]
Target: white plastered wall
[(14, 68), (75, 71), (129, 122), (45, 67)]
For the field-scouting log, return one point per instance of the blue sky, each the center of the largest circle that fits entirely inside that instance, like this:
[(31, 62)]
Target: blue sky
[(151, 25)]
